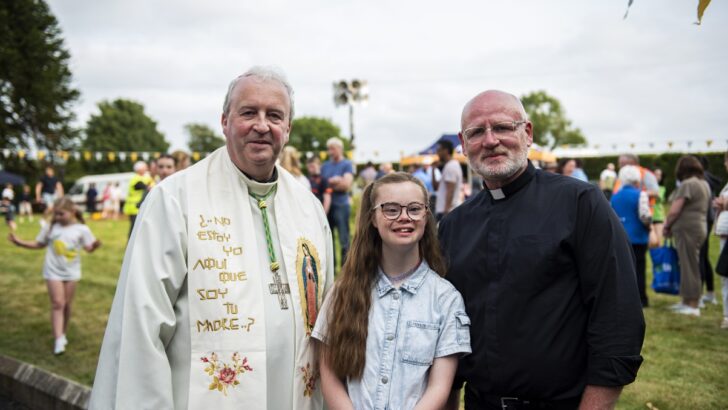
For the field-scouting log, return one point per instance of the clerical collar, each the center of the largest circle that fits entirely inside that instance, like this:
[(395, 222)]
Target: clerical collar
[(510, 189), (260, 188)]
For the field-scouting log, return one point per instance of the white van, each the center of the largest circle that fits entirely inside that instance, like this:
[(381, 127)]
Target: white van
[(79, 189)]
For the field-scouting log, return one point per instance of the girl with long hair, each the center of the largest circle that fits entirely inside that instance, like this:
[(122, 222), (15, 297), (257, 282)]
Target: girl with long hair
[(64, 238), (392, 327)]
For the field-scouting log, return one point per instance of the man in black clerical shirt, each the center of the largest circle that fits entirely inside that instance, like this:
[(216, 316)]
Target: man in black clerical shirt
[(546, 272)]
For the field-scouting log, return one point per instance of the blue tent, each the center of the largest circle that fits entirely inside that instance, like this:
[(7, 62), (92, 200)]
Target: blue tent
[(432, 149), (10, 178)]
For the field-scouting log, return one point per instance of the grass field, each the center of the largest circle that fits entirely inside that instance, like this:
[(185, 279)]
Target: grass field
[(686, 358)]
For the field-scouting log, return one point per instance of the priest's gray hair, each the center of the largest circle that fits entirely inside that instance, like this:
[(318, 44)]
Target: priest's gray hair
[(262, 73), (630, 175)]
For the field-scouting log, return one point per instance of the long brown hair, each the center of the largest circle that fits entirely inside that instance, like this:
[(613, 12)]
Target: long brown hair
[(348, 315)]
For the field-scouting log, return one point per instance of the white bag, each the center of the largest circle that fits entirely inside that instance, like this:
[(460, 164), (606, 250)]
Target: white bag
[(721, 225), (644, 209)]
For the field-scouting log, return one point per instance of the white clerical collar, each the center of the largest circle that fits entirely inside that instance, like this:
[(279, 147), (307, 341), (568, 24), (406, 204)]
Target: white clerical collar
[(497, 193), (259, 188)]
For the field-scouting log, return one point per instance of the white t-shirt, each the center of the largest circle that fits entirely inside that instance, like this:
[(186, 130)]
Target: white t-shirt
[(607, 178), (8, 194), (450, 173), (63, 256)]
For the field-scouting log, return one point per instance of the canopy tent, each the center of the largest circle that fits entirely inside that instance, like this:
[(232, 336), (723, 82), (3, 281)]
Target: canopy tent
[(10, 178), (429, 154)]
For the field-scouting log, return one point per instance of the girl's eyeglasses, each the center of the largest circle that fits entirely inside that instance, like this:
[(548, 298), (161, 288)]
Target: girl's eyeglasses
[(392, 210)]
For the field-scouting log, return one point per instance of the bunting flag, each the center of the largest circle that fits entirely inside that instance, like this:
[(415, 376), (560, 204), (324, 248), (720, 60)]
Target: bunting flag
[(709, 143), (111, 156), (87, 155), (702, 5), (196, 156), (629, 3), (41, 155), (133, 156)]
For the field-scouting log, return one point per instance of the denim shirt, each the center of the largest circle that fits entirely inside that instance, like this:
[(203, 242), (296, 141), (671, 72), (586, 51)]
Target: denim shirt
[(408, 328)]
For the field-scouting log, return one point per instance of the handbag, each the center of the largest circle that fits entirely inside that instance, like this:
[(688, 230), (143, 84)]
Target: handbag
[(721, 268), (721, 225), (665, 269)]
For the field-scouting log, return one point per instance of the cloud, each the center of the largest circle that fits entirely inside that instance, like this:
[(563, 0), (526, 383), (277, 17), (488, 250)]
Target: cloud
[(654, 75)]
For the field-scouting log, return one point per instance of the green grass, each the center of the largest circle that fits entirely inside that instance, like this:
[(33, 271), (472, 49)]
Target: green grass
[(686, 358)]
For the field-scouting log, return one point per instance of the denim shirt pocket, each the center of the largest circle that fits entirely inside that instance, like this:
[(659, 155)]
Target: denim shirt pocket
[(420, 342), (462, 328)]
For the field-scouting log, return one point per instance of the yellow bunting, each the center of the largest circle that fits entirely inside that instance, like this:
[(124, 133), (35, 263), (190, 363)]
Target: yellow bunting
[(87, 155), (709, 142), (669, 144), (196, 156), (376, 153), (631, 145), (133, 156), (702, 5), (350, 154), (322, 155), (64, 155), (111, 156), (41, 155), (156, 155), (21, 153)]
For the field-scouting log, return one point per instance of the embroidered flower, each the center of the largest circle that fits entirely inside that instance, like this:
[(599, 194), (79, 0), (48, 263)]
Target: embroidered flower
[(224, 375), (309, 380), (227, 376)]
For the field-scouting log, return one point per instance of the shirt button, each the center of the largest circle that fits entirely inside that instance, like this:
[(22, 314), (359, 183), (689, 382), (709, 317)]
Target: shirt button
[(385, 380), (390, 337), (395, 296)]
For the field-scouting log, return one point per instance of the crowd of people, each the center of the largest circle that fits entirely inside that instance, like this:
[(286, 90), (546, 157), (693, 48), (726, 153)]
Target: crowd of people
[(529, 294), (638, 197)]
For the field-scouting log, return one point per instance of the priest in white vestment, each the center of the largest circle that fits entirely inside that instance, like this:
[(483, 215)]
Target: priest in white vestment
[(223, 276)]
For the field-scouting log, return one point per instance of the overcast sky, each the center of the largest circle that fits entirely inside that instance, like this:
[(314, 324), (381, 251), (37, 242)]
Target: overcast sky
[(651, 78)]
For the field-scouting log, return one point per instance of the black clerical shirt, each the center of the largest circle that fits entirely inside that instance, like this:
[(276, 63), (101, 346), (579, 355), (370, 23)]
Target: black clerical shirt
[(548, 278)]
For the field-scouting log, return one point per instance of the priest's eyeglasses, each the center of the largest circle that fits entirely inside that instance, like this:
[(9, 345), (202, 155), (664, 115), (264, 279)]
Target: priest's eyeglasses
[(500, 130), (392, 210)]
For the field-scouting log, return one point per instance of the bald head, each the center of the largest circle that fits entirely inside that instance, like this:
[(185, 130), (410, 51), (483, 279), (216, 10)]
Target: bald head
[(497, 100)]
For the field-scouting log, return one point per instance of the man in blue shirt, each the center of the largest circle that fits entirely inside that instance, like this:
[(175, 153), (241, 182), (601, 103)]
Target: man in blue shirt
[(338, 173)]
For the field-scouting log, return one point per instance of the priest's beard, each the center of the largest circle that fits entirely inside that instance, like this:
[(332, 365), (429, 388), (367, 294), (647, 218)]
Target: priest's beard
[(516, 160)]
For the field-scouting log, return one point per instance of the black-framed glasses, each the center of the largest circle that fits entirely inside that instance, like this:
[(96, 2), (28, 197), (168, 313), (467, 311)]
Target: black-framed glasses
[(499, 130), (392, 210)]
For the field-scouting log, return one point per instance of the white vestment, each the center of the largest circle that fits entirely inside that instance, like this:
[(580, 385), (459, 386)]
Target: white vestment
[(196, 321)]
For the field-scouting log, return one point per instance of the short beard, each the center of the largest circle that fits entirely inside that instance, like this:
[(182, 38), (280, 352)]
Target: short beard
[(501, 172)]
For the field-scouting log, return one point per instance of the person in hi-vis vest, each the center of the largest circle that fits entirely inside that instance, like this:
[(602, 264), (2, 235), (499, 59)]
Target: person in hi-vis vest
[(138, 186)]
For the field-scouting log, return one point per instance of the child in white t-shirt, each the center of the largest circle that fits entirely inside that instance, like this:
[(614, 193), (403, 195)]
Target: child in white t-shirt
[(64, 239)]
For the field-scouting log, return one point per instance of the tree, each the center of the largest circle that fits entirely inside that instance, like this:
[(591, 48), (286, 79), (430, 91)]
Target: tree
[(311, 134), (122, 125), (35, 83), (203, 138), (551, 128)]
